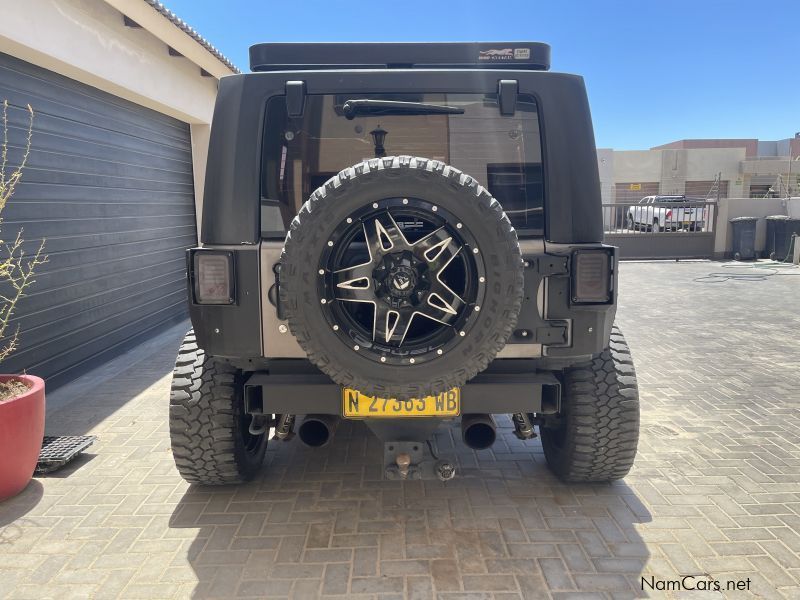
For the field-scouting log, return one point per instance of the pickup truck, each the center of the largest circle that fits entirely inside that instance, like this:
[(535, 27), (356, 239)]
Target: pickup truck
[(666, 213)]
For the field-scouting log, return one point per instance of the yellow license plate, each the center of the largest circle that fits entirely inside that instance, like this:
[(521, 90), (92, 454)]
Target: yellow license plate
[(356, 405)]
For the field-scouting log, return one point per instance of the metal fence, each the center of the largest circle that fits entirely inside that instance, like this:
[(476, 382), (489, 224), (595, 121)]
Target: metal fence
[(660, 217), (666, 229)]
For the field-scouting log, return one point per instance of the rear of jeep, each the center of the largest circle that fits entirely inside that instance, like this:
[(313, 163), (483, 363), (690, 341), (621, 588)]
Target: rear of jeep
[(403, 234)]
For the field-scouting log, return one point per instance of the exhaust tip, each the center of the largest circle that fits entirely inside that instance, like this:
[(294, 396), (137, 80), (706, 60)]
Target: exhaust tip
[(314, 432), (479, 432)]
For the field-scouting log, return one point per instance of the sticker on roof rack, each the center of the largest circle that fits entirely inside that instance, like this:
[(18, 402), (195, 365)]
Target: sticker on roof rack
[(496, 54), (522, 53)]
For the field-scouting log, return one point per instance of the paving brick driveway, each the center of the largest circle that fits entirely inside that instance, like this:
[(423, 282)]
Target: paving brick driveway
[(715, 492)]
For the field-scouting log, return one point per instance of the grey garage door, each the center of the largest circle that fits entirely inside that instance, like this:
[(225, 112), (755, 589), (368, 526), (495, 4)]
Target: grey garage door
[(109, 187)]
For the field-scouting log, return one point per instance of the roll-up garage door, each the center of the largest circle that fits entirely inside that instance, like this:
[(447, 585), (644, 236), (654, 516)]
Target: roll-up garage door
[(109, 187)]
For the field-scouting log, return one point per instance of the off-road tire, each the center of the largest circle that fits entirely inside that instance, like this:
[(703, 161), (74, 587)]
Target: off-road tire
[(599, 420), (210, 440), (401, 176)]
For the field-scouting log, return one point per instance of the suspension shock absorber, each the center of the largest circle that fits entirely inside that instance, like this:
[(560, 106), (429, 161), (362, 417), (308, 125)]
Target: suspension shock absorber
[(523, 428), (284, 429)]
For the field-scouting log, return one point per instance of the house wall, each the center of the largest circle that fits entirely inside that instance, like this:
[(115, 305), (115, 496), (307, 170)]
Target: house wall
[(703, 164), (87, 41), (674, 169), (751, 145), (674, 166), (637, 165)]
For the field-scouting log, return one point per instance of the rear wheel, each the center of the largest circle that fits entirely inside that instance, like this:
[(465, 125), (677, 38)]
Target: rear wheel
[(209, 429), (597, 431)]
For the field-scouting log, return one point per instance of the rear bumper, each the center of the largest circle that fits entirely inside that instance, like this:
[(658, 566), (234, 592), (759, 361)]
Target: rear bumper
[(506, 387)]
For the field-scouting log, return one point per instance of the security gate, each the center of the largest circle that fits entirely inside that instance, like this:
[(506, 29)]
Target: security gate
[(661, 229)]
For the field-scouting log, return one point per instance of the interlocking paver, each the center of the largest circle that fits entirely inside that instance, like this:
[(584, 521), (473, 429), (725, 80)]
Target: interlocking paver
[(715, 491)]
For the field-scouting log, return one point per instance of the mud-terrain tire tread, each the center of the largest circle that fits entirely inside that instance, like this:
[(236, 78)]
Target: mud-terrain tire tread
[(203, 420), (601, 404), (446, 379)]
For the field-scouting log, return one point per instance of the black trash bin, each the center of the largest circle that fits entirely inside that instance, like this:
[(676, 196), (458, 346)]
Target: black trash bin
[(744, 238), (780, 229)]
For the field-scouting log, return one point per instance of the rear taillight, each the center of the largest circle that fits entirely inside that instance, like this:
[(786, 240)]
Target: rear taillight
[(591, 276), (213, 277), (669, 214)]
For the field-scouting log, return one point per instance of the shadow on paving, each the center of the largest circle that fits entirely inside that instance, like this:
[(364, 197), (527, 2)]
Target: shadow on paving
[(322, 521), (103, 391), (13, 511)]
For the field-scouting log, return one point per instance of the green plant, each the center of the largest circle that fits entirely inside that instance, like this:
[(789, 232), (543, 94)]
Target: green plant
[(16, 267)]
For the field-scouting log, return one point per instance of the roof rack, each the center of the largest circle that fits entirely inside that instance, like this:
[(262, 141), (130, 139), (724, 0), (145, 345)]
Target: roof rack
[(534, 56)]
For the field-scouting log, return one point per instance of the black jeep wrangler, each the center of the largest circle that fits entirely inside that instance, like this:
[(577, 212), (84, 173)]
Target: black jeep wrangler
[(403, 234)]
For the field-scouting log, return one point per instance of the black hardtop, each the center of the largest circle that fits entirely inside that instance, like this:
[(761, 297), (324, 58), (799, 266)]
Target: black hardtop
[(532, 56)]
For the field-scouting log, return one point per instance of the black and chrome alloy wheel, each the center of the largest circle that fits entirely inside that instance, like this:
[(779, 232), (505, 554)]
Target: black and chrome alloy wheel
[(400, 280)]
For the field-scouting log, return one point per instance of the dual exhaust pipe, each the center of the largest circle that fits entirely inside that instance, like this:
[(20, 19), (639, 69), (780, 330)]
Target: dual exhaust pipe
[(479, 431), (317, 430)]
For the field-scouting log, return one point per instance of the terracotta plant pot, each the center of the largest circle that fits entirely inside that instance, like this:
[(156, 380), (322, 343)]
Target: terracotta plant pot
[(21, 433)]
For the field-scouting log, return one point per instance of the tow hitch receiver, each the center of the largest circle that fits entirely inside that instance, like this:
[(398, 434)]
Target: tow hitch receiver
[(409, 460)]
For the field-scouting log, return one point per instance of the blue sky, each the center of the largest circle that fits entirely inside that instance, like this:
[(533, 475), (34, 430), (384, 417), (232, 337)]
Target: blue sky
[(656, 71)]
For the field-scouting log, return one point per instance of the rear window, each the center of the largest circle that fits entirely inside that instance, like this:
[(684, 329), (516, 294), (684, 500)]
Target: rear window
[(502, 152)]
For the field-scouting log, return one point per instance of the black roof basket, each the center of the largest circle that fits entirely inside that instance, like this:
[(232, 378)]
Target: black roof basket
[(532, 56)]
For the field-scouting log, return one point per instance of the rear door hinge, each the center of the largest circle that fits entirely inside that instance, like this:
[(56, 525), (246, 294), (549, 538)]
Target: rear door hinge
[(507, 91), (295, 98)]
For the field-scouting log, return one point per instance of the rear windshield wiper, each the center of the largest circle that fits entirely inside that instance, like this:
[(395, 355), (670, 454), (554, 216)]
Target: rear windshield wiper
[(352, 108)]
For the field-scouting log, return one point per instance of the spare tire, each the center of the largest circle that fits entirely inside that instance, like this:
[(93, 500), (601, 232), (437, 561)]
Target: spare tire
[(401, 277)]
